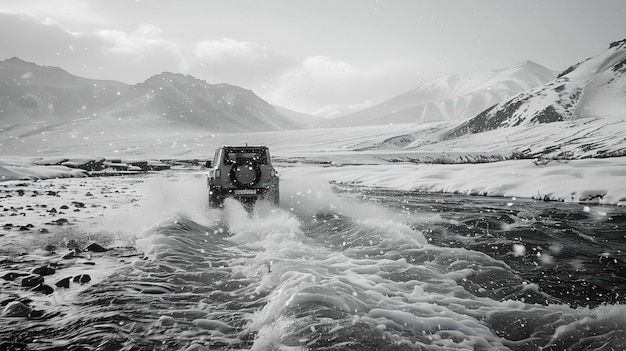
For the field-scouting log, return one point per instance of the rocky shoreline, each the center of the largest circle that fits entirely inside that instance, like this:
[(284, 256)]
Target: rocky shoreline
[(53, 243), (25, 168), (43, 279)]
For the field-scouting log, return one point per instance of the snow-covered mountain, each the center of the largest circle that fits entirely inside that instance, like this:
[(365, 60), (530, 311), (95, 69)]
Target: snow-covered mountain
[(591, 91), (453, 97), (30, 93), (185, 99), (585, 104)]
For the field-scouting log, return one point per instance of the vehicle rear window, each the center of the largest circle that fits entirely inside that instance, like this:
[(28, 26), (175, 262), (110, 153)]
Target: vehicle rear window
[(257, 155)]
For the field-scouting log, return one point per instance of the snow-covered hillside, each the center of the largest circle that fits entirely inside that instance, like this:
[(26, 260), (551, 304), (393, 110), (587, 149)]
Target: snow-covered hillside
[(453, 97), (34, 97), (591, 92), (32, 93), (216, 107)]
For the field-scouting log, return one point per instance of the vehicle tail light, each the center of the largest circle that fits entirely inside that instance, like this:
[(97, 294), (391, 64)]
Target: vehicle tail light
[(218, 173)]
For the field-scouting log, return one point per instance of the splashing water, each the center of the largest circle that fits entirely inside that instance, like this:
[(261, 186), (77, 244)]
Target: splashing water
[(327, 270)]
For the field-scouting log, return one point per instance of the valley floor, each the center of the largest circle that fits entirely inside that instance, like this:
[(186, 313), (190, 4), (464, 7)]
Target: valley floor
[(593, 181)]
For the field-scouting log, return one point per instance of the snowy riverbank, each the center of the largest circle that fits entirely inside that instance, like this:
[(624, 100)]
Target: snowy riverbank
[(600, 181)]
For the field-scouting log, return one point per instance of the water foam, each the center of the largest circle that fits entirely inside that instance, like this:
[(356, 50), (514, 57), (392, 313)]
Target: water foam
[(365, 277)]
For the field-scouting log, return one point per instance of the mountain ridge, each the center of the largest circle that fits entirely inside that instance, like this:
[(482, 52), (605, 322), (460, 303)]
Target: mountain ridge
[(222, 107), (594, 88), (452, 97), (30, 92)]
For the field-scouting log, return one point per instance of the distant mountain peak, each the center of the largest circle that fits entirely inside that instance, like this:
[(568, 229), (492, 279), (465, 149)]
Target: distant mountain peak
[(453, 97), (528, 64), (171, 75), (17, 63), (14, 67), (594, 89), (17, 60), (14, 63), (32, 92)]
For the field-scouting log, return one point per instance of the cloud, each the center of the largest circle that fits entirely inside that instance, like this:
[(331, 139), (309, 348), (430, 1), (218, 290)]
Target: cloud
[(228, 48), (62, 11), (133, 56), (143, 51), (244, 63), (103, 54), (145, 41), (317, 84), (323, 67), (325, 87)]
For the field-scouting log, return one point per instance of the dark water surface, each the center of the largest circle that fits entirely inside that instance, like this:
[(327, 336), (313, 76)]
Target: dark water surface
[(373, 270), (576, 253)]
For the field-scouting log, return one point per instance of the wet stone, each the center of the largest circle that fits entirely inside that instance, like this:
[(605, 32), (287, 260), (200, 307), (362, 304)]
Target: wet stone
[(43, 288), (63, 283), (60, 221), (44, 270), (35, 314), (69, 255), (13, 275), (93, 247), (83, 278), (16, 309), (32, 281)]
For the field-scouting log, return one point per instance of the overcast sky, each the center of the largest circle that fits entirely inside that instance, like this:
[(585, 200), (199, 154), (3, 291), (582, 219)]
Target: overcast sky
[(324, 57)]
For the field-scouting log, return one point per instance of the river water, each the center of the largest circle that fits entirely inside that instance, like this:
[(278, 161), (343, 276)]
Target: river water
[(369, 269)]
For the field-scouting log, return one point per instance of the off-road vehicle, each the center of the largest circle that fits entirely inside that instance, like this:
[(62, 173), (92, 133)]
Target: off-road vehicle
[(244, 173)]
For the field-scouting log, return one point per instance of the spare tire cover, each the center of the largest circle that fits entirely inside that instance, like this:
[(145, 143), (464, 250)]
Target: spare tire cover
[(245, 173)]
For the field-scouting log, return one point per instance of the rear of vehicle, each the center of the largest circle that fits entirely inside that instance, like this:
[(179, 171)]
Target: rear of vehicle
[(244, 173)]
